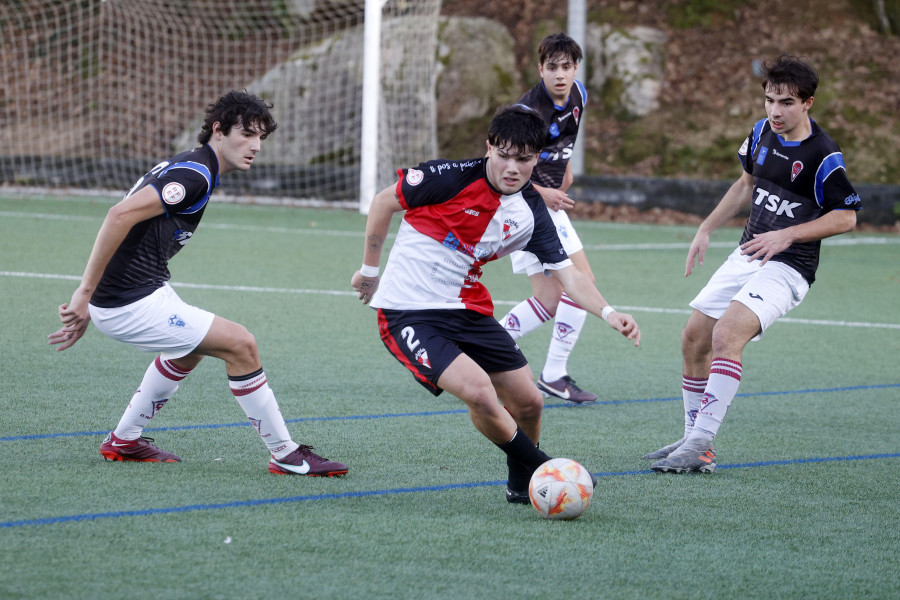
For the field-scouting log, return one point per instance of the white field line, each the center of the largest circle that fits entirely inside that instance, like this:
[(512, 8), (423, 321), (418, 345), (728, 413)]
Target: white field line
[(837, 241), (275, 290)]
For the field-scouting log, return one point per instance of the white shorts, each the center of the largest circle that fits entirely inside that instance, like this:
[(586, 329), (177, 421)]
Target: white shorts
[(769, 291), (162, 322), (528, 263)]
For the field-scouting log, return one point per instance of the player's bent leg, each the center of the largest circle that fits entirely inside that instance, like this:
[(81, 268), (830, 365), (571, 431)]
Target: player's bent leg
[(569, 322), (516, 391), (547, 289), (696, 350), (233, 343), (467, 381)]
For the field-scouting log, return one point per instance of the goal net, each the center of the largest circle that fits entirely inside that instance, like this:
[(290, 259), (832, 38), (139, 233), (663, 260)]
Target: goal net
[(98, 91)]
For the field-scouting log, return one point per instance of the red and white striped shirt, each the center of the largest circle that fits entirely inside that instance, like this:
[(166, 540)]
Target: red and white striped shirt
[(455, 222)]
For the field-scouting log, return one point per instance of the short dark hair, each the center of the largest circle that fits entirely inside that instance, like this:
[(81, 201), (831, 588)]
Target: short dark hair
[(519, 127), (559, 43), (238, 108), (792, 74)]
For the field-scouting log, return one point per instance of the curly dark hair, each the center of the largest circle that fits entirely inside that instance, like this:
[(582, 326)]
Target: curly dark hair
[(238, 108), (792, 75)]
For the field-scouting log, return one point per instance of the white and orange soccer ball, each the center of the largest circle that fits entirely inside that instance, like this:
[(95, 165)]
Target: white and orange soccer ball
[(561, 489)]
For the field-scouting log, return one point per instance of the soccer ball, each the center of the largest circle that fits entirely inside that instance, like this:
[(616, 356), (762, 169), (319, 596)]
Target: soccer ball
[(560, 489)]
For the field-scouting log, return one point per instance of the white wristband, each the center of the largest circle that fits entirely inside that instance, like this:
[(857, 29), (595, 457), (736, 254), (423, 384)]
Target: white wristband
[(604, 314), (367, 271)]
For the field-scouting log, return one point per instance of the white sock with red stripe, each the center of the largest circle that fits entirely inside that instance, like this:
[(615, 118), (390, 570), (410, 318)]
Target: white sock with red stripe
[(527, 316), (159, 383), (258, 401), (724, 380), (569, 322), (692, 390)]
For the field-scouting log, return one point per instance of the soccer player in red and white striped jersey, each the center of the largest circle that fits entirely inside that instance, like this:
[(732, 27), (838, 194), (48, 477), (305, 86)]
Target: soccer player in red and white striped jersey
[(434, 314)]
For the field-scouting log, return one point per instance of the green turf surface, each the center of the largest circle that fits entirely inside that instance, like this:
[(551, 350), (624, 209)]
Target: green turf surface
[(805, 503)]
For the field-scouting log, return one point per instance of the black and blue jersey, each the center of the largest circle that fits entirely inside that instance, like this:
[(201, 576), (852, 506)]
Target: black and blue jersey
[(563, 122), (793, 183), (140, 265)]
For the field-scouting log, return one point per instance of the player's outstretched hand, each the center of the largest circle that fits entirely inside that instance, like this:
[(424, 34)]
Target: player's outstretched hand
[(625, 324), (696, 251), (365, 286), (72, 330)]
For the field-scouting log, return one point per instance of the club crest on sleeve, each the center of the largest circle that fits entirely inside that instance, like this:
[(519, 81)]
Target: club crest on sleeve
[(414, 177), (173, 193)]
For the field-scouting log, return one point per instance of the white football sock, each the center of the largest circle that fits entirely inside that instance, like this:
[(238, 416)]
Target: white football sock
[(159, 383), (724, 380), (692, 389), (525, 317), (569, 322), (258, 401)]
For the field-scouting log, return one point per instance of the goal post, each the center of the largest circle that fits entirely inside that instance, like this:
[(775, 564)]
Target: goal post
[(98, 90)]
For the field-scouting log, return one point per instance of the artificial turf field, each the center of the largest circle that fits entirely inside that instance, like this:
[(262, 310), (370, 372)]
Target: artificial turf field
[(804, 504)]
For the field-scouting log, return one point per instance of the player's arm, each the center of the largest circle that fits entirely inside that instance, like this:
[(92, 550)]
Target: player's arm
[(140, 206), (580, 288), (738, 195), (378, 223), (766, 245)]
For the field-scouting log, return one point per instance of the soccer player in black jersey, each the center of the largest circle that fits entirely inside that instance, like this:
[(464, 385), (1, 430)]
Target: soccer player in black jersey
[(560, 98), (796, 184), (434, 314), (124, 290)]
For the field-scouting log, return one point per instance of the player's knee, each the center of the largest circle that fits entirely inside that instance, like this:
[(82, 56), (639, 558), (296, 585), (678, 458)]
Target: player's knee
[(481, 397), (528, 406), (694, 341), (243, 345)]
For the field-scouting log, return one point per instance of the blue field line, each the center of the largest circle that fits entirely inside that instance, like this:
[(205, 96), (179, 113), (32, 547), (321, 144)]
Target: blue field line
[(387, 492), (430, 413)]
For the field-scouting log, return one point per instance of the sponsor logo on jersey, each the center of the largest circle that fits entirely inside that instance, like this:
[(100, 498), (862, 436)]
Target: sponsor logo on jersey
[(755, 296), (509, 225), (181, 236), (795, 170), (173, 193), (744, 147), (468, 211), (761, 157), (775, 204), (852, 200), (780, 155), (563, 118), (413, 177)]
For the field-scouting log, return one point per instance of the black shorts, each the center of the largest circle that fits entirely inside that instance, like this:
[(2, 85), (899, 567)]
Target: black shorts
[(427, 341)]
